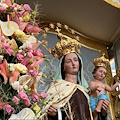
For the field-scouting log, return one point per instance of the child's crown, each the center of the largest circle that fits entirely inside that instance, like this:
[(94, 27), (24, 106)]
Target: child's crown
[(101, 61)]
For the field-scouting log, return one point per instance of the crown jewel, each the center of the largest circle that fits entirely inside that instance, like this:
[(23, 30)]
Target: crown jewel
[(64, 47), (102, 61)]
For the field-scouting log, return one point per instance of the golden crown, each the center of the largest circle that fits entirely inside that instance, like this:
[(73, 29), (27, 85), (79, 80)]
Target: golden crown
[(64, 47), (101, 61), (66, 44)]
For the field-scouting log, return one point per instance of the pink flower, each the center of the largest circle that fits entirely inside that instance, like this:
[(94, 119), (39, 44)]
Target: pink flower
[(9, 51), (29, 46), (3, 9), (32, 29), (20, 56), (5, 46), (27, 7), (12, 7), (35, 98), (30, 55), (16, 100), (20, 88), (23, 96), (43, 95), (27, 102), (38, 52), (35, 73), (9, 109)]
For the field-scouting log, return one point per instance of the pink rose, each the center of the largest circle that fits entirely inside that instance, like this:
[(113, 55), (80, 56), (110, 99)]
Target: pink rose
[(16, 100), (27, 102), (8, 109), (38, 52), (43, 95), (23, 96), (3, 9), (35, 98), (27, 7)]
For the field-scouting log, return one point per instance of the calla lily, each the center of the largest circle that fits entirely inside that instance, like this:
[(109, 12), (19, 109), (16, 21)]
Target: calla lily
[(35, 45), (32, 29), (14, 76), (7, 2), (2, 104), (8, 31), (3, 70), (35, 62), (13, 45), (22, 25)]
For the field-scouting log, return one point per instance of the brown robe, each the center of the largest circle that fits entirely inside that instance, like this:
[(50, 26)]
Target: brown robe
[(79, 108)]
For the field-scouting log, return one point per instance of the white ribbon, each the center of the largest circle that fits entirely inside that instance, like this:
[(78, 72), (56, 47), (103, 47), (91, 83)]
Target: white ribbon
[(59, 113)]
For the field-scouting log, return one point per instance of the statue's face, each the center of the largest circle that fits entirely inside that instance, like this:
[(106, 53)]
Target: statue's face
[(71, 64), (100, 73)]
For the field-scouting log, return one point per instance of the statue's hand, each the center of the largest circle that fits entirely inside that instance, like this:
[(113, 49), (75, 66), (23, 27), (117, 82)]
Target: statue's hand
[(52, 110)]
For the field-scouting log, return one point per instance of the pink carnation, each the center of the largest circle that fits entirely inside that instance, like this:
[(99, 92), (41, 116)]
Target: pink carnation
[(20, 56), (9, 51), (3, 9), (27, 102), (35, 73), (35, 98), (20, 88), (29, 46), (8, 109), (30, 55), (23, 96), (5, 46), (27, 7), (38, 52), (43, 95), (16, 100)]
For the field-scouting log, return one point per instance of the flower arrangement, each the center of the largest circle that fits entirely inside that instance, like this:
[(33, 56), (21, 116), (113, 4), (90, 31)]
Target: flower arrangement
[(19, 62)]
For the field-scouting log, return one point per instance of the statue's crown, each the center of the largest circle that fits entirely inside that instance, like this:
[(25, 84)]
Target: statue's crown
[(64, 47), (101, 61), (66, 44)]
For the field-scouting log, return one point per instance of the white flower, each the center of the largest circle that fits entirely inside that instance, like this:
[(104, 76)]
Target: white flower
[(32, 39), (15, 85), (24, 46), (1, 57), (21, 68), (3, 5), (11, 67), (19, 33)]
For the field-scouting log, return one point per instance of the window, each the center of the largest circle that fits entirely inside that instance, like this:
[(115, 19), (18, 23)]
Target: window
[(112, 64)]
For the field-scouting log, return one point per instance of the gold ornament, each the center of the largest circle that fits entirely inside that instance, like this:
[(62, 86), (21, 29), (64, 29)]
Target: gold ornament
[(102, 61), (64, 47)]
